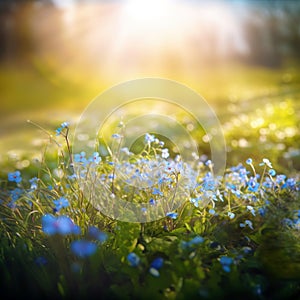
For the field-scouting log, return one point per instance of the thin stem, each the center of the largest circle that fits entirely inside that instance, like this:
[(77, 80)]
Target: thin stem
[(175, 191), (115, 160), (253, 169), (68, 147), (45, 131), (263, 175), (229, 202)]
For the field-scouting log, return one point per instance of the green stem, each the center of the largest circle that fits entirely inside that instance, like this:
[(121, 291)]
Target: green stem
[(229, 204), (262, 176), (253, 169)]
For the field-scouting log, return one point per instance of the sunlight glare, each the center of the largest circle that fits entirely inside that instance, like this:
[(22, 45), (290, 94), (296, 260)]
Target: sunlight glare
[(147, 10)]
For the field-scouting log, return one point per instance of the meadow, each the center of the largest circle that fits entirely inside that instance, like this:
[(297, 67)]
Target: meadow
[(230, 235)]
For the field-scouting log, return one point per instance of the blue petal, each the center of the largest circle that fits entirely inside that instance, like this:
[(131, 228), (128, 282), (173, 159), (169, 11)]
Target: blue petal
[(49, 224), (64, 225), (133, 259), (83, 248), (157, 263)]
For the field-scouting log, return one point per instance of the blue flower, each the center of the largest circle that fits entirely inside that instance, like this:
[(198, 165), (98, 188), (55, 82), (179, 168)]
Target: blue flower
[(12, 204), (212, 211), (126, 151), (116, 136), (58, 131), (251, 209), (231, 215), (58, 225), (15, 177), (80, 158), (172, 215), (72, 177), (258, 289), (157, 263), (95, 233), (165, 153), (253, 185), (41, 261), (290, 184), (280, 178), (247, 250), (268, 183), (152, 201), (133, 259), (62, 126), (226, 262), (60, 203), (249, 161), (247, 223), (297, 224), (149, 138), (209, 182), (49, 225), (288, 222), (237, 193), (272, 172), (83, 248), (157, 191), (65, 124), (196, 240), (262, 211), (34, 185), (64, 225), (266, 162), (15, 194), (95, 158), (209, 163), (195, 201)]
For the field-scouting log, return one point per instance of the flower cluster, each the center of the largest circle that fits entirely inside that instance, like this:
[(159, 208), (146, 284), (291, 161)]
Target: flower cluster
[(64, 125), (238, 203), (63, 225)]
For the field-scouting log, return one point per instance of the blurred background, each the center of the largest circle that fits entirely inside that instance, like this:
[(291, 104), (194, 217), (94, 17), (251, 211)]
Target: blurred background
[(243, 57)]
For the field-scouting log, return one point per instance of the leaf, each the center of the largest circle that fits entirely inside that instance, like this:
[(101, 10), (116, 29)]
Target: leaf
[(127, 235)]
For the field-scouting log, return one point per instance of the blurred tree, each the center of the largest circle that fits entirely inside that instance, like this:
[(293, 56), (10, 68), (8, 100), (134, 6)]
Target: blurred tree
[(16, 36), (272, 32), (292, 26)]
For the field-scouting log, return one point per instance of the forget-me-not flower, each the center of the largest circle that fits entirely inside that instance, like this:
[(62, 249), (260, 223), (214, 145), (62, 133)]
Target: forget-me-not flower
[(58, 225), (226, 263), (15, 177), (133, 259), (83, 248), (80, 157), (60, 203)]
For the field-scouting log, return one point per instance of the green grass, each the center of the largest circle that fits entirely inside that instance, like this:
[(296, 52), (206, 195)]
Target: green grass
[(47, 95), (259, 110), (265, 258)]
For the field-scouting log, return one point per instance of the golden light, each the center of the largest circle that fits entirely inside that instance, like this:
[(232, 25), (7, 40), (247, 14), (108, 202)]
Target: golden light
[(146, 21), (135, 36)]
